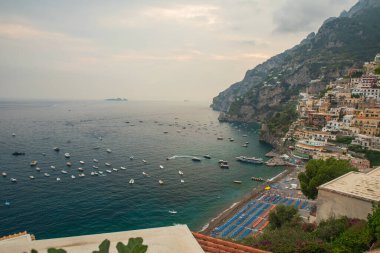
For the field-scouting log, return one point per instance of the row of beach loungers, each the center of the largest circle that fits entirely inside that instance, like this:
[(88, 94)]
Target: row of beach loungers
[(253, 217)]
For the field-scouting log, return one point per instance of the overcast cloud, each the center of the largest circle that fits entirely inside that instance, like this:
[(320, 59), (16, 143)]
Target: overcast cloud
[(145, 50)]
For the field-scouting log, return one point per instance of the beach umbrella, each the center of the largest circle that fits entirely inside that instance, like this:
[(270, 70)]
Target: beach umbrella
[(267, 188)]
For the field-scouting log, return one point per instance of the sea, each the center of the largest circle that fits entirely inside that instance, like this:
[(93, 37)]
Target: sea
[(162, 133)]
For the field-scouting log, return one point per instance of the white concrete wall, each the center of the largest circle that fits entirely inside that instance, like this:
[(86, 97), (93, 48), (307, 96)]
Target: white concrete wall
[(334, 204)]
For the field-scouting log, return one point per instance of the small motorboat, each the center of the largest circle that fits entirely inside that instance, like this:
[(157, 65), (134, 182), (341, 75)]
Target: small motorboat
[(109, 150), (52, 167), (237, 182), (109, 171), (72, 176), (232, 139), (38, 169), (92, 173), (56, 149), (95, 160), (81, 175), (68, 164), (131, 158), (107, 164), (13, 180), (18, 153), (161, 167), (46, 174), (81, 162), (7, 203), (114, 169), (246, 159), (245, 145), (132, 181), (196, 159), (219, 138), (96, 148), (13, 135), (123, 168), (244, 135), (58, 179), (160, 182), (100, 172), (144, 161), (165, 132), (207, 156), (95, 167), (80, 169), (64, 171), (180, 172), (31, 177), (145, 174), (224, 166), (182, 181), (67, 155), (4, 174), (172, 211), (33, 163)]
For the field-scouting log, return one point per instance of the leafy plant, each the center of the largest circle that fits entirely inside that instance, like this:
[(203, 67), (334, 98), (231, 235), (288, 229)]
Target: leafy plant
[(374, 221), (104, 247), (282, 215), (135, 245), (53, 250)]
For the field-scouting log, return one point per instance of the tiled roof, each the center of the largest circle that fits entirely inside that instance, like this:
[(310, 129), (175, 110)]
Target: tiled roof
[(213, 245)]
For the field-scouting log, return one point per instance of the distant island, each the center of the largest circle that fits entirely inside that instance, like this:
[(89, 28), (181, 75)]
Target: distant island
[(116, 99)]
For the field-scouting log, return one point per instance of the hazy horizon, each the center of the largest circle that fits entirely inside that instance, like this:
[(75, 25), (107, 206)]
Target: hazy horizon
[(145, 50)]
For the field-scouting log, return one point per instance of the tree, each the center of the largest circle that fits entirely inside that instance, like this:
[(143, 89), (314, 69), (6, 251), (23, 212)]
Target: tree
[(282, 215), (319, 172), (374, 221)]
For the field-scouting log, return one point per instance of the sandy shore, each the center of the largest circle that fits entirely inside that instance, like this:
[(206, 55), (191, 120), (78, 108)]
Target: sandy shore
[(227, 214)]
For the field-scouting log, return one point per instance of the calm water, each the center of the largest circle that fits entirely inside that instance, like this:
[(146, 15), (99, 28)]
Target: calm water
[(97, 204)]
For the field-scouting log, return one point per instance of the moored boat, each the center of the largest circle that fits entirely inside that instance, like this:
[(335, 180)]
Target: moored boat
[(132, 181), (67, 155), (196, 159), (246, 159), (161, 166), (4, 174), (237, 182), (33, 163), (207, 156), (13, 180), (160, 182)]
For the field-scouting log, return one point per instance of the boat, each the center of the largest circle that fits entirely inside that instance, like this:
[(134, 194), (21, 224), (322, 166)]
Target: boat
[(38, 169), (13, 180), (58, 179), (245, 145), (207, 156), (80, 169), (56, 149), (180, 172), (96, 148), (109, 171), (237, 182), (7, 203), (166, 132), (81, 162), (224, 166), (172, 211), (46, 174), (244, 135), (13, 135), (160, 181), (95, 160), (219, 138), (92, 173), (132, 181), (258, 179), (114, 169), (123, 168), (107, 164), (100, 172), (95, 167), (4, 174), (81, 175), (64, 171), (131, 158), (67, 155), (68, 164), (182, 181), (144, 161), (72, 176), (249, 159), (33, 163), (109, 150), (196, 159), (232, 139), (161, 167), (145, 174), (52, 167), (18, 153)]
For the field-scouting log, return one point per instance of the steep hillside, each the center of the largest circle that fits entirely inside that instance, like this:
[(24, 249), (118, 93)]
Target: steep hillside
[(340, 43)]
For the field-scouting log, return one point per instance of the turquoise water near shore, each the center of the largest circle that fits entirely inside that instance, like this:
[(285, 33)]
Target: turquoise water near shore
[(99, 204)]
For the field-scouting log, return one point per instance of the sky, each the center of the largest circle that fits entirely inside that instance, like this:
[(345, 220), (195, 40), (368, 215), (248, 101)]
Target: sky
[(145, 50)]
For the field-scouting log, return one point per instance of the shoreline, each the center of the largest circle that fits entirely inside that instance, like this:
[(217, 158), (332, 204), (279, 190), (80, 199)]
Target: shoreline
[(226, 214)]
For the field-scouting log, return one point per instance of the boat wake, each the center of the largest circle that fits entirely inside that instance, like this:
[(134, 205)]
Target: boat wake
[(179, 156)]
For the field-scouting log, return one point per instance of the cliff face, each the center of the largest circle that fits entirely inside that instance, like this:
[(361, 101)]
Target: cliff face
[(340, 43)]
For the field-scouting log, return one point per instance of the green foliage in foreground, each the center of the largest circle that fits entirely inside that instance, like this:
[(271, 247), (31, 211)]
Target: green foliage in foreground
[(135, 245), (319, 172), (332, 235), (282, 215)]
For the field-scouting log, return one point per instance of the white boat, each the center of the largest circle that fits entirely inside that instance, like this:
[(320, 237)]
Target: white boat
[(144, 161), (96, 173), (4, 174), (237, 182), (64, 171), (245, 145), (180, 172), (13, 180), (160, 181), (207, 156), (33, 163), (100, 172), (80, 169), (131, 158), (196, 159), (56, 149), (81, 162), (109, 171), (46, 174), (95, 161), (161, 167), (38, 169), (13, 134), (72, 176), (132, 181), (95, 167), (245, 159), (145, 174), (81, 175), (108, 164), (123, 168), (172, 211), (58, 179), (109, 150), (182, 181), (67, 155), (92, 173), (231, 139), (52, 167), (114, 169), (68, 164)]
